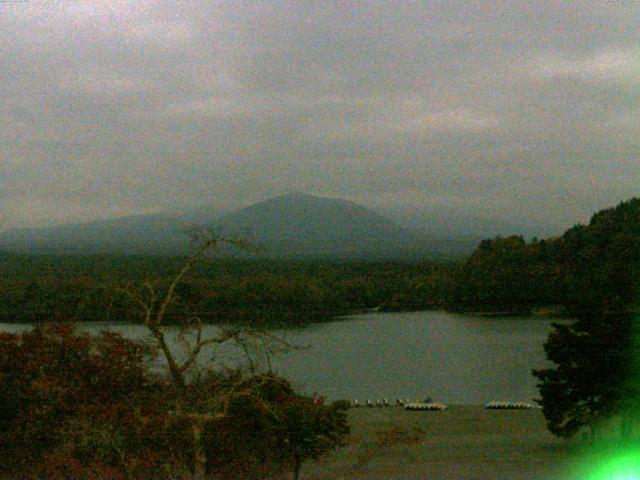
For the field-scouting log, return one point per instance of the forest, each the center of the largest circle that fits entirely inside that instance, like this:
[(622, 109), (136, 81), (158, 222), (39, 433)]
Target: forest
[(582, 268), (261, 292)]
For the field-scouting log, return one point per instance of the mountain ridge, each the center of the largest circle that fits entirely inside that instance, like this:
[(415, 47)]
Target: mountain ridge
[(293, 225)]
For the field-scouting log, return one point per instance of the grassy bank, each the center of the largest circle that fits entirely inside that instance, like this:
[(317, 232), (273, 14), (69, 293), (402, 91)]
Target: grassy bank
[(463, 442)]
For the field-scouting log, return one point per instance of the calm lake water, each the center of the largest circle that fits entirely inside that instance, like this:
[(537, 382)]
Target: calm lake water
[(456, 359)]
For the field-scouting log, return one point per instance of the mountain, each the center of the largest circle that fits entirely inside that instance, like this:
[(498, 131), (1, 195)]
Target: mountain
[(289, 226), (300, 225)]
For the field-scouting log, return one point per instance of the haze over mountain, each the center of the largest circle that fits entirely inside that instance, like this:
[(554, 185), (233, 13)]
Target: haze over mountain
[(289, 226), (451, 223), (147, 234)]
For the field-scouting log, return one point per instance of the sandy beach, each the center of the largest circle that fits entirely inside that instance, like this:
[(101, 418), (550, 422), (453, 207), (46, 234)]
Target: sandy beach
[(462, 442)]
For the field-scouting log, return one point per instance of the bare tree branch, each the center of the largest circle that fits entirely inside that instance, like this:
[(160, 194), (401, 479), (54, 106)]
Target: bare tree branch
[(154, 308)]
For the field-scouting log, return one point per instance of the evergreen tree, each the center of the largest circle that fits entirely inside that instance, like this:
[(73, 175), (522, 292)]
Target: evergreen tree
[(597, 364), (595, 370)]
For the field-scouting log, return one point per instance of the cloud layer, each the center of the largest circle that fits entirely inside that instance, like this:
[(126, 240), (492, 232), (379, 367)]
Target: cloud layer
[(524, 110)]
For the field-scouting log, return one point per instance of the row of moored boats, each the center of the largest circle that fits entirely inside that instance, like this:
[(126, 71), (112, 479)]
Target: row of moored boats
[(386, 403), (427, 404)]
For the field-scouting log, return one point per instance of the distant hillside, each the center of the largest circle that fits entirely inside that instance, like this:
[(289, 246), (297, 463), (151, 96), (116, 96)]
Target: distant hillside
[(289, 226)]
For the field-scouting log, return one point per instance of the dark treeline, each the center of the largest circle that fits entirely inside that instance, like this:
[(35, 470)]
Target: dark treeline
[(34, 289), (577, 271), (509, 275)]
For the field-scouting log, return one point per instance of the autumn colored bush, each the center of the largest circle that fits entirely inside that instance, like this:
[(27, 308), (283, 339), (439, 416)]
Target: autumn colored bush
[(79, 406), (271, 429), (76, 406)]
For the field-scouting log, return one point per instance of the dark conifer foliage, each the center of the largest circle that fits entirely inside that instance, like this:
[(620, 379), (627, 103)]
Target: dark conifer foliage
[(508, 275), (36, 289), (597, 368)]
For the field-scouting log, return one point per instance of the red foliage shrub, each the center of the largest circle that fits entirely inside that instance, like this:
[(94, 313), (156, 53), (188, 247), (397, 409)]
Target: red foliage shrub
[(270, 429), (76, 406), (80, 406)]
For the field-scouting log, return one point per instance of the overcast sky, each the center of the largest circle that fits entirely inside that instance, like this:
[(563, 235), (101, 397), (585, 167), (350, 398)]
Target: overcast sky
[(528, 111)]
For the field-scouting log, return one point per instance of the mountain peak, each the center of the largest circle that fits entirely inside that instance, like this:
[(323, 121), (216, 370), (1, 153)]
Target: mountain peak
[(297, 196), (300, 224)]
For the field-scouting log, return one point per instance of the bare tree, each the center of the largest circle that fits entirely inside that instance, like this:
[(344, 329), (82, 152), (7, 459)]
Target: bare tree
[(155, 305)]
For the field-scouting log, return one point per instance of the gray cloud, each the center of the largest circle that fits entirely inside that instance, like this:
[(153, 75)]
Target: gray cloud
[(524, 110)]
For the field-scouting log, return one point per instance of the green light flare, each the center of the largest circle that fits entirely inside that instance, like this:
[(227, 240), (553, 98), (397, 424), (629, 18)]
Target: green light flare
[(623, 465)]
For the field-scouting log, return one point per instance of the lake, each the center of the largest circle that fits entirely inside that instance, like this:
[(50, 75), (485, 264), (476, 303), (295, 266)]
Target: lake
[(455, 359)]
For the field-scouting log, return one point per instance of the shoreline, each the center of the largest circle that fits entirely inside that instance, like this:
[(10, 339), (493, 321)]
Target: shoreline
[(462, 442)]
